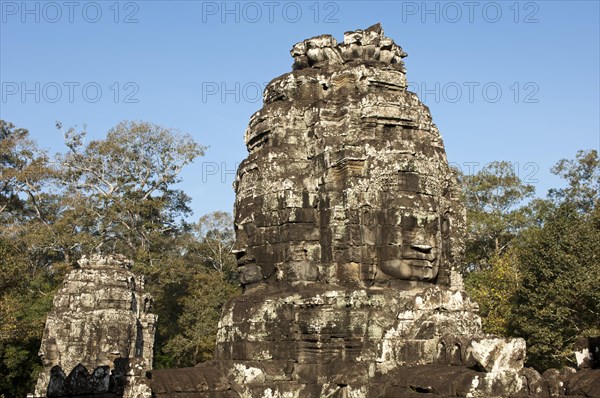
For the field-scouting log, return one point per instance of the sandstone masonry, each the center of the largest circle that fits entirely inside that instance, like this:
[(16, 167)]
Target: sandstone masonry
[(100, 334)]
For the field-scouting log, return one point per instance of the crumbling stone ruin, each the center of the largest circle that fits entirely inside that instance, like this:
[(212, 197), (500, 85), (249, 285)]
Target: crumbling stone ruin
[(349, 229), (100, 333)]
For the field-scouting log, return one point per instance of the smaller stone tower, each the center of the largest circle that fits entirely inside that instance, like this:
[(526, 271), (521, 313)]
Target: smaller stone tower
[(101, 319)]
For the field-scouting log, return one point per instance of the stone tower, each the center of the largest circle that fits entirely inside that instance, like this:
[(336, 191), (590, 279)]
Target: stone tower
[(346, 181), (101, 321), (349, 230)]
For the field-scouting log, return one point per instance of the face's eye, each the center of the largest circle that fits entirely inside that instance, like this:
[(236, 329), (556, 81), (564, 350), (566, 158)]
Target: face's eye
[(408, 222)]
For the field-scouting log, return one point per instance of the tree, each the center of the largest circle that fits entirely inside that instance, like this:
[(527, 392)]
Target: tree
[(558, 299), (25, 171), (543, 286), (216, 236), (16, 154), (122, 189), (27, 279), (197, 326), (122, 185), (494, 289), (494, 216), (110, 195), (193, 295), (583, 178)]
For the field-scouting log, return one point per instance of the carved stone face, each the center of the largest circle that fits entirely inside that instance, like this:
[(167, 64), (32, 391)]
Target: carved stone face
[(49, 353), (405, 223), (394, 226), (347, 180), (77, 330), (412, 250)]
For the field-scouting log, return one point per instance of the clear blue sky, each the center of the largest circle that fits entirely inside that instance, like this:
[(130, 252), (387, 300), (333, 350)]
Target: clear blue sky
[(515, 81)]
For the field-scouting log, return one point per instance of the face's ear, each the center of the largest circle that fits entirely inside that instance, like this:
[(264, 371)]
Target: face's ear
[(455, 213), (458, 224), (453, 227), (445, 227)]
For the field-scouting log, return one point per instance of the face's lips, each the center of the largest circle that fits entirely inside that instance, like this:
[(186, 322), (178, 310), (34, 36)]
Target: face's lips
[(409, 269), (423, 263), (415, 255)]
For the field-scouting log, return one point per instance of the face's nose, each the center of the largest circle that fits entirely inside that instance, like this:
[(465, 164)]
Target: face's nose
[(239, 253), (241, 241)]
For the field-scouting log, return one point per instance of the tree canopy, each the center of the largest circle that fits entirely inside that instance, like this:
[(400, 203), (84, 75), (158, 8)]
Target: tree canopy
[(493, 197), (544, 286)]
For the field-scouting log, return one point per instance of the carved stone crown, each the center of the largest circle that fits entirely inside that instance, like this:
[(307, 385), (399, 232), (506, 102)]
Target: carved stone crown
[(369, 44), (105, 261)]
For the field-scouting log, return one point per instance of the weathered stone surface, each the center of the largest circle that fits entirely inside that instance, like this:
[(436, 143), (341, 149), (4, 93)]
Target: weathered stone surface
[(585, 383), (80, 382), (100, 321), (346, 181), (349, 229), (203, 380)]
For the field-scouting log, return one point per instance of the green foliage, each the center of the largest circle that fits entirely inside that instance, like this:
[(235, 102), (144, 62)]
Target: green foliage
[(494, 216), (25, 299), (122, 185), (110, 195), (558, 299), (544, 285), (19, 367), (494, 289), (190, 293), (27, 281), (197, 325), (583, 177), (215, 233)]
